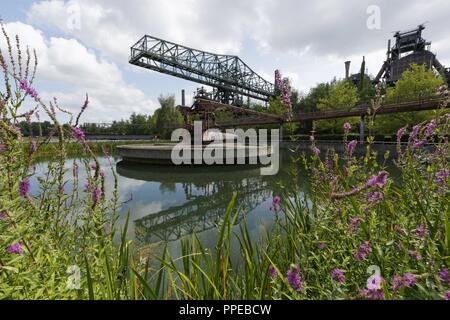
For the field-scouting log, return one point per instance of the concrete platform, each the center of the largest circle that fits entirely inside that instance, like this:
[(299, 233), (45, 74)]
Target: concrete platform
[(161, 154)]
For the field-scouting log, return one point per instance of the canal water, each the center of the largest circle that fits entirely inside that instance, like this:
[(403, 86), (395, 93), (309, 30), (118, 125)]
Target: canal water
[(168, 203)]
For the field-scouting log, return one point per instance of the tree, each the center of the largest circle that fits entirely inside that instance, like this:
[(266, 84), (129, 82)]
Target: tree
[(342, 95), (416, 83), (166, 115)]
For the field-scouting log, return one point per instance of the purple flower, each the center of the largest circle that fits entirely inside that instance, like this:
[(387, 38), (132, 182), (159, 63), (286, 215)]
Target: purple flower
[(338, 275), (95, 191), (421, 232), (442, 176), (379, 180), (400, 134), (372, 294), (374, 196), (28, 90), (397, 282), (351, 147), (33, 146), (2, 148), (347, 126), (419, 144), (321, 246), (316, 151), (272, 272), (15, 248), (444, 274), (276, 204), (3, 216), (413, 134), (294, 278), (284, 90), (24, 188), (363, 251), (375, 282), (354, 224), (409, 279), (415, 254), (447, 295), (78, 134), (430, 129)]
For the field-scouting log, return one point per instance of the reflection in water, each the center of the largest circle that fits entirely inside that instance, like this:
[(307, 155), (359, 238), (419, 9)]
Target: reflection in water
[(207, 191)]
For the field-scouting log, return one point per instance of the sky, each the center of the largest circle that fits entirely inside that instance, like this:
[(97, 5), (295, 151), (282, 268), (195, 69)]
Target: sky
[(83, 46)]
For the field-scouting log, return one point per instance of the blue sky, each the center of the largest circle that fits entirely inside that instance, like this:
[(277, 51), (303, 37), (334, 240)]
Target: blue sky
[(83, 45)]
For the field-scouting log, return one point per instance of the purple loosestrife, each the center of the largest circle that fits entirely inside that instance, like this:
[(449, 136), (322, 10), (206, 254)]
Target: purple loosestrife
[(78, 134), (272, 272), (406, 281), (354, 224), (372, 294), (415, 254), (28, 90), (431, 128), (2, 148), (24, 188), (3, 216), (363, 251), (321, 246), (338, 275), (444, 275), (351, 147), (316, 151), (33, 146), (413, 135), (374, 197), (284, 90), (421, 232), (400, 134), (15, 248), (419, 144), (347, 127), (375, 282), (447, 295), (95, 191), (379, 180), (294, 278), (442, 177), (276, 204)]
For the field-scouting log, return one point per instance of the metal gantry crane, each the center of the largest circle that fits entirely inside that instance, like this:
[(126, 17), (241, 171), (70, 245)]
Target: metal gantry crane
[(227, 74)]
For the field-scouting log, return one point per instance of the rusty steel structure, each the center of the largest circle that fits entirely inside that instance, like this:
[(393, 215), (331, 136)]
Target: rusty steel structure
[(410, 47), (227, 74), (231, 80)]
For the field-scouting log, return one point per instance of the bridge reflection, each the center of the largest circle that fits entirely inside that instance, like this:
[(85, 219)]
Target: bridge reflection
[(207, 192)]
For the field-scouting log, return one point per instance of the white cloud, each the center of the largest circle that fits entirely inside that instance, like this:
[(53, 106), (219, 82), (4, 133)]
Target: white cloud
[(68, 64)]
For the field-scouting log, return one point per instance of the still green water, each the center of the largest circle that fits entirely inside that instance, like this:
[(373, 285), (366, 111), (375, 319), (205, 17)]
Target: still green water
[(169, 203)]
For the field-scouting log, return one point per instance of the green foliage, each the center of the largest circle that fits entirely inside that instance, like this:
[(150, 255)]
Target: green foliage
[(415, 84), (311, 100), (166, 115), (276, 106), (342, 95)]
